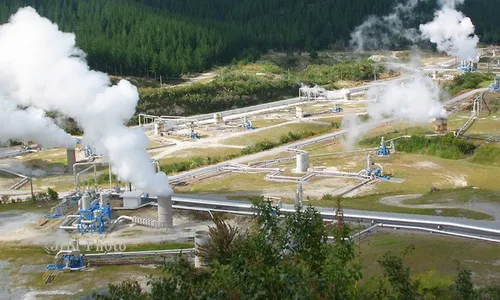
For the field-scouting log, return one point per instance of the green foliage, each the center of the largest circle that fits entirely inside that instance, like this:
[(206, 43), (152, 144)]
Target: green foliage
[(398, 276), (313, 55), (468, 81), (170, 37), (225, 92), (349, 70), (432, 285), (487, 155), (464, 286), (447, 146), (53, 195), (287, 256), (221, 244), (196, 162), (101, 179), (127, 290)]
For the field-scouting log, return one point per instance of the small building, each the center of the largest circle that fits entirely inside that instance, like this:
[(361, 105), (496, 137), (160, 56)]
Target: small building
[(132, 199)]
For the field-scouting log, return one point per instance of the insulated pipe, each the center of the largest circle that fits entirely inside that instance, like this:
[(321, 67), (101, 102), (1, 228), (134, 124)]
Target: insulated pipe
[(75, 165)]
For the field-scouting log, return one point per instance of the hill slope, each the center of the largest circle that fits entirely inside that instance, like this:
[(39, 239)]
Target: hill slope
[(172, 37)]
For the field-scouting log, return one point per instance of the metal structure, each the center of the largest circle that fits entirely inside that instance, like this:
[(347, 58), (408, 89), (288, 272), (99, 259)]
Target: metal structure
[(336, 109), (495, 86), (370, 169), (93, 217), (477, 104), (467, 66), (247, 123), (383, 150)]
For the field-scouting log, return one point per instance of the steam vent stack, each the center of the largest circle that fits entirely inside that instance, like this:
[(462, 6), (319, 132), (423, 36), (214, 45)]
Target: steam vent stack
[(441, 125), (71, 158), (165, 214)]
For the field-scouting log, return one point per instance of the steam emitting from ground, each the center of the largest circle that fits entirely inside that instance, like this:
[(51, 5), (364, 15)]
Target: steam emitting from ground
[(43, 68), (452, 32), (417, 99)]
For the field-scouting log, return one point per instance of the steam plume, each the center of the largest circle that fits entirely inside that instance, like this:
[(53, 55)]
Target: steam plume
[(381, 32), (43, 68), (31, 124), (452, 32)]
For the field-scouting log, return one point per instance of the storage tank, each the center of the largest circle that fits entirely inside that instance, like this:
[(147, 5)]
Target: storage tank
[(302, 162), (103, 200), (165, 213), (85, 201)]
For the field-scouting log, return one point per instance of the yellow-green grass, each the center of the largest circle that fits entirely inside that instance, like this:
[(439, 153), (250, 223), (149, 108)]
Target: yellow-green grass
[(273, 134), (236, 184), (260, 123), (421, 172), (154, 144), (186, 154), (484, 125), (52, 156), (459, 196), (433, 253), (372, 203), (331, 119)]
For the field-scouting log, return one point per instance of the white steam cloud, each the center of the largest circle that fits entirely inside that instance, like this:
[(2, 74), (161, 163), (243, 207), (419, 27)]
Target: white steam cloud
[(42, 67), (381, 32), (452, 32), (416, 99), (31, 124)]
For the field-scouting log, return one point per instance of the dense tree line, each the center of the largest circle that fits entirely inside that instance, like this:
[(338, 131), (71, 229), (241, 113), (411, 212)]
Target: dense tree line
[(289, 257), (171, 37)]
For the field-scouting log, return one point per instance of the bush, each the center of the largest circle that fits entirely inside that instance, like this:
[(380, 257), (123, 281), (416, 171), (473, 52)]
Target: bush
[(487, 155), (468, 81), (447, 146), (224, 92), (53, 195)]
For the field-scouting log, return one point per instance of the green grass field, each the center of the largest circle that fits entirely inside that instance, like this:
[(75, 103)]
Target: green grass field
[(185, 154), (260, 123), (434, 252), (273, 134)]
